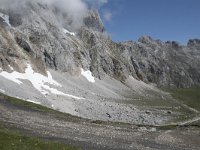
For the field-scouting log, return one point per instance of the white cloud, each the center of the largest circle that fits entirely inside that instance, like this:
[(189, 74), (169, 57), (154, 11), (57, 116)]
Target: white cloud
[(101, 2), (96, 3), (107, 15), (76, 10)]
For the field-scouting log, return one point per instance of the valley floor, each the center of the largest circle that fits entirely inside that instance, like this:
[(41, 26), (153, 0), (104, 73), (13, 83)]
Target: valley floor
[(38, 121)]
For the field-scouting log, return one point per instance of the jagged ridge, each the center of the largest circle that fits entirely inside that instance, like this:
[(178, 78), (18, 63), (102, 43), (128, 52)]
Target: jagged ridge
[(37, 37)]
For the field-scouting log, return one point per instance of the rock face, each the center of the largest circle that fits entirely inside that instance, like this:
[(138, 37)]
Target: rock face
[(36, 45), (38, 37), (166, 64)]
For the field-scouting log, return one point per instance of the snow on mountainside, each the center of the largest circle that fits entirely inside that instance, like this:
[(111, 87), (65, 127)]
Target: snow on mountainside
[(5, 18), (39, 81), (80, 71), (88, 75), (68, 32)]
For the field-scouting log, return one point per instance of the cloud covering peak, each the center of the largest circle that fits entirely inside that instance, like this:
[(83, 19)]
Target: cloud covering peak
[(76, 10)]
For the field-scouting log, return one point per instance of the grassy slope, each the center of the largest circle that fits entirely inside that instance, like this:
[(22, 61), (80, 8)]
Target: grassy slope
[(190, 97), (10, 139), (39, 108)]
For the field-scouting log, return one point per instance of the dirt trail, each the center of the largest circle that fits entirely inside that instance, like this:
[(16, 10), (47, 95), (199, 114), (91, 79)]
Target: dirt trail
[(195, 119)]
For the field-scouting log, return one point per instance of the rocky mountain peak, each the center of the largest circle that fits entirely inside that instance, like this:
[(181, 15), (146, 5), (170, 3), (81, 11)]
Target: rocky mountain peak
[(149, 41), (45, 35), (93, 21), (66, 61), (145, 39), (194, 43)]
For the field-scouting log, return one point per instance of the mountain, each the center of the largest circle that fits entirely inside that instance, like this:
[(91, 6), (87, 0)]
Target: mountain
[(46, 60)]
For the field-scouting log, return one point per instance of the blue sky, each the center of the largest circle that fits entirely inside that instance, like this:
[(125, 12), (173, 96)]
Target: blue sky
[(177, 20)]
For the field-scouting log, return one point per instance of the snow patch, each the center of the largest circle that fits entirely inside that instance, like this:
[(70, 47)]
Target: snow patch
[(5, 18), (39, 81), (68, 32), (28, 100), (88, 75), (11, 68), (2, 91)]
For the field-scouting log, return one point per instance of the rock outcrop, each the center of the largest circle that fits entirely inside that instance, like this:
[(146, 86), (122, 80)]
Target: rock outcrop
[(37, 36)]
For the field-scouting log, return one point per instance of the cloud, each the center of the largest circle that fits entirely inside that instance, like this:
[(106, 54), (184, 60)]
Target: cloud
[(76, 10), (107, 16), (101, 2), (96, 3)]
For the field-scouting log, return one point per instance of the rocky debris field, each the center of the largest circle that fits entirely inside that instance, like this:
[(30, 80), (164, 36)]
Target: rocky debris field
[(35, 120), (83, 72), (46, 43), (47, 60), (107, 100)]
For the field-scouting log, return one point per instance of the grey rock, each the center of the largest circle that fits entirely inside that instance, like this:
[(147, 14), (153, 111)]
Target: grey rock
[(93, 21), (23, 44), (194, 43), (39, 38), (15, 19)]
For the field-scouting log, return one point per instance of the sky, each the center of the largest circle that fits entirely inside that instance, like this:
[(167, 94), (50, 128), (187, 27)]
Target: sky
[(168, 20)]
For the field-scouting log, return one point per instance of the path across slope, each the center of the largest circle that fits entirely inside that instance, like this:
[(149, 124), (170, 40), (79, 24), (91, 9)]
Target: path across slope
[(90, 135)]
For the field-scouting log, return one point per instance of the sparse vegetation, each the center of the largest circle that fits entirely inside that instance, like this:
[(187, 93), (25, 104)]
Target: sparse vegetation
[(190, 97), (10, 139), (39, 108), (178, 94), (21, 103)]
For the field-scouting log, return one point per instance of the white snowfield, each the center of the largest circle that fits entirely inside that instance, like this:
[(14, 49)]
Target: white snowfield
[(10, 67), (3, 91), (5, 18), (39, 81), (102, 100), (87, 75), (28, 100), (68, 32)]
